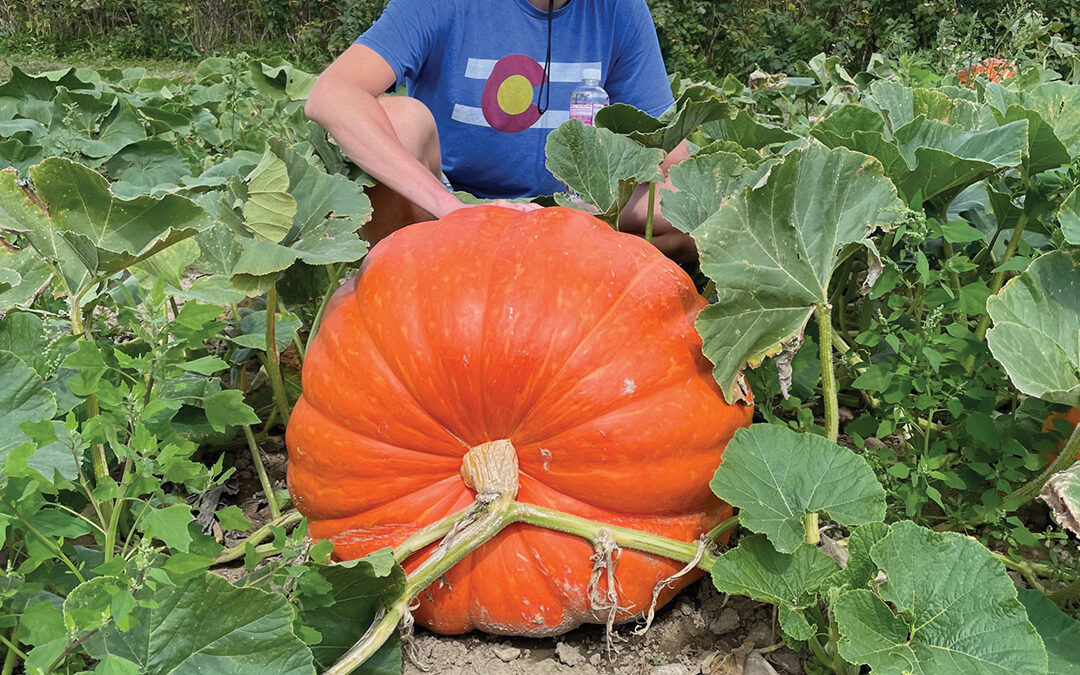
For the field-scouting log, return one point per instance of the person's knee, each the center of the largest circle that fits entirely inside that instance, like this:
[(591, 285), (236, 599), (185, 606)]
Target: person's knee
[(415, 127)]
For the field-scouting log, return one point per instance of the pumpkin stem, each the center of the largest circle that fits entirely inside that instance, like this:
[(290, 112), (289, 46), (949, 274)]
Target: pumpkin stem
[(491, 469)]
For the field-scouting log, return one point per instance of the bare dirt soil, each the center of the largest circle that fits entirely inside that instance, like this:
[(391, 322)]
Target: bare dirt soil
[(700, 632)]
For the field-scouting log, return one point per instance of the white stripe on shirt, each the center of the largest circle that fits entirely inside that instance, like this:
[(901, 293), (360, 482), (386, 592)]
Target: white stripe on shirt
[(480, 69), (468, 114)]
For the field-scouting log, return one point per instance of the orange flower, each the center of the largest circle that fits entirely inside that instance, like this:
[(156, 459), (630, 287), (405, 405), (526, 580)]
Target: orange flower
[(992, 68)]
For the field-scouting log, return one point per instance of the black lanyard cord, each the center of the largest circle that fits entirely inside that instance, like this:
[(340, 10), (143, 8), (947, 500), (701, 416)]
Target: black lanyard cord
[(545, 85)]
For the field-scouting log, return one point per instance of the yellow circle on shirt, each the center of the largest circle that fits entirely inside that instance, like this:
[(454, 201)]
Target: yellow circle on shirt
[(515, 94)]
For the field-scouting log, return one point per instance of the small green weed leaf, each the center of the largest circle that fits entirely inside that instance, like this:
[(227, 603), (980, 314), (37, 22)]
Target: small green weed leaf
[(207, 625), (703, 182), (269, 209), (232, 518), (593, 162), (959, 232), (24, 399), (1060, 632), (947, 607), (42, 622), (789, 580), (359, 589), (89, 365), (206, 365), (227, 408), (1036, 333), (169, 524), (775, 476), (771, 252), (1062, 494), (1069, 215)]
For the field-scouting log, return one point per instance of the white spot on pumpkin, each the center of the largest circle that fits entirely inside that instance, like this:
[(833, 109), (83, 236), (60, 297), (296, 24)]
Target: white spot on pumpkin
[(628, 386), (546, 455)]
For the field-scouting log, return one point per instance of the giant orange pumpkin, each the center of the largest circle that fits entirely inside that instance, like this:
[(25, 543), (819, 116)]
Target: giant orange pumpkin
[(1072, 418), (549, 329)]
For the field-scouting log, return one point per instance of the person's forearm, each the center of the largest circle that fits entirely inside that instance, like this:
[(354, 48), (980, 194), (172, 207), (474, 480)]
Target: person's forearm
[(358, 123)]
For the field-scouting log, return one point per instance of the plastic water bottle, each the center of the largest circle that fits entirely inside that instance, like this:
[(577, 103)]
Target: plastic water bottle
[(588, 98)]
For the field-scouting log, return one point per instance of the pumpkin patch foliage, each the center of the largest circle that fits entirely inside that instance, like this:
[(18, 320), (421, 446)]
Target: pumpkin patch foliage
[(236, 438)]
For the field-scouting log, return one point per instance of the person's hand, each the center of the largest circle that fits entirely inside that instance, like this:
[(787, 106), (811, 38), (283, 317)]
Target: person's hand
[(524, 207)]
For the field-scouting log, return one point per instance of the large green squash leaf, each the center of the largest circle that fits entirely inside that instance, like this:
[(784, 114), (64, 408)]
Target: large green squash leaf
[(269, 209), (702, 184), (207, 625), (22, 273), (946, 608), (942, 159), (694, 107), (771, 252), (1036, 333), (1060, 633), (360, 588), (1069, 215), (776, 476), (788, 580), (602, 167), (1056, 103), (73, 219)]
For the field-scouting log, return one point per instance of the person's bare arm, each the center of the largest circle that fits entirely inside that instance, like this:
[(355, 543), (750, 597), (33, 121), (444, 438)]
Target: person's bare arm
[(673, 243), (343, 101)]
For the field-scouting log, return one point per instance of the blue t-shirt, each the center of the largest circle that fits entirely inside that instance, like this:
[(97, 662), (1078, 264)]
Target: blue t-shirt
[(478, 64)]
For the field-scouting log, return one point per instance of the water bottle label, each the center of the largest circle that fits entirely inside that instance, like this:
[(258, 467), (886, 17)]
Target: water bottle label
[(583, 112)]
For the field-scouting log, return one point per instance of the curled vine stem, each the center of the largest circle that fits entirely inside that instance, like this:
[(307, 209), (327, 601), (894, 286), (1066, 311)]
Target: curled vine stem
[(703, 543), (604, 559)]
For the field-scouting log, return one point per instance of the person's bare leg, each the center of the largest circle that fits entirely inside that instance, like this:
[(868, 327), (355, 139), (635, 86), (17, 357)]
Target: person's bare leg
[(415, 127)]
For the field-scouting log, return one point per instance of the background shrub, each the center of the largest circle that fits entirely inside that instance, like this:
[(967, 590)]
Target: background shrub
[(699, 37)]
